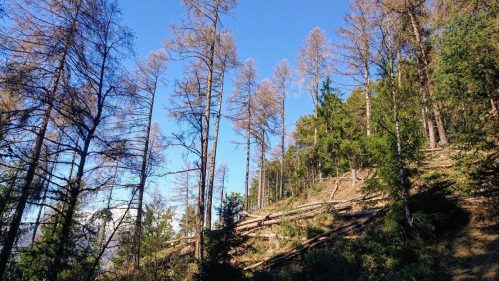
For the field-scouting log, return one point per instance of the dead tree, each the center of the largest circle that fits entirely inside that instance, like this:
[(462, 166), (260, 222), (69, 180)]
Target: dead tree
[(357, 38), (314, 65), (89, 110), (197, 38), (146, 78), (225, 59), (282, 74), (266, 123), (31, 35), (242, 108)]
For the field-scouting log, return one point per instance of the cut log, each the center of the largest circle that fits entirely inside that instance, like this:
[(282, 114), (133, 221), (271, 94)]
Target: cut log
[(345, 228), (267, 222)]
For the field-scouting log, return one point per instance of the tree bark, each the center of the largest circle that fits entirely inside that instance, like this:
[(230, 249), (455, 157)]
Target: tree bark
[(204, 151), (248, 154), (260, 177), (213, 155), (283, 144)]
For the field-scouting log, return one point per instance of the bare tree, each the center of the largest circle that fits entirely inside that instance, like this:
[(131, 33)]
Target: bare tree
[(357, 37), (197, 38), (242, 108), (36, 40), (225, 59), (266, 123), (92, 108), (282, 75), (147, 77), (314, 64)]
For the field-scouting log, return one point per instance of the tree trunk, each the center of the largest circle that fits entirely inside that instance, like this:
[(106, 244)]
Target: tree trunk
[(368, 99), (204, 154), (436, 111), (213, 156), (74, 193), (260, 177), (403, 180), (246, 178), (283, 145), (143, 178)]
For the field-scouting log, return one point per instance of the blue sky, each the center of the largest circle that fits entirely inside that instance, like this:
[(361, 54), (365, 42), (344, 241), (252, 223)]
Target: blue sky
[(267, 30)]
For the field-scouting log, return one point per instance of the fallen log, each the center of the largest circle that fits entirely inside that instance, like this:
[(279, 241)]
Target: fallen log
[(268, 236), (310, 208), (299, 209), (345, 228), (312, 213)]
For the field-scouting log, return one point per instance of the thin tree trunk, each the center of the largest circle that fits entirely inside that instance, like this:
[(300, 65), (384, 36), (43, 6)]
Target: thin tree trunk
[(222, 193), (246, 178), (436, 111), (260, 178), (368, 100), (400, 162), (74, 193), (424, 122), (204, 154), (42, 204), (283, 145), (213, 156), (187, 205), (143, 178)]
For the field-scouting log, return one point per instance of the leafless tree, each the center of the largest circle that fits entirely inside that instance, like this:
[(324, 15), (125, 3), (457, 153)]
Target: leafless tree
[(197, 38), (92, 110), (266, 123), (357, 37), (146, 78), (314, 64), (40, 30), (225, 59), (282, 75), (242, 108)]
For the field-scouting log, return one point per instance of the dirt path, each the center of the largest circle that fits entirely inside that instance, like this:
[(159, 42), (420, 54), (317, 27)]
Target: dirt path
[(475, 248)]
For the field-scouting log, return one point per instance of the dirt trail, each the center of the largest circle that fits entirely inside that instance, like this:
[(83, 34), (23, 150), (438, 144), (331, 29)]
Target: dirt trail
[(475, 247)]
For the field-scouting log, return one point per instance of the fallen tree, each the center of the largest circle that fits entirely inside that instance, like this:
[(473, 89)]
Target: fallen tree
[(348, 227)]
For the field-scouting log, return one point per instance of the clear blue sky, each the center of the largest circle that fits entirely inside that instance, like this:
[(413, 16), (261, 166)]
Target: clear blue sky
[(267, 30)]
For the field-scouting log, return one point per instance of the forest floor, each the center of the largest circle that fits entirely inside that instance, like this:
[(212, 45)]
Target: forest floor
[(474, 248)]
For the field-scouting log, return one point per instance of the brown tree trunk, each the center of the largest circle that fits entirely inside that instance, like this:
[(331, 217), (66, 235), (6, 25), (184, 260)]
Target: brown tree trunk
[(368, 100), (74, 192), (143, 178), (248, 148), (204, 153), (436, 111), (213, 156), (283, 146), (260, 178)]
